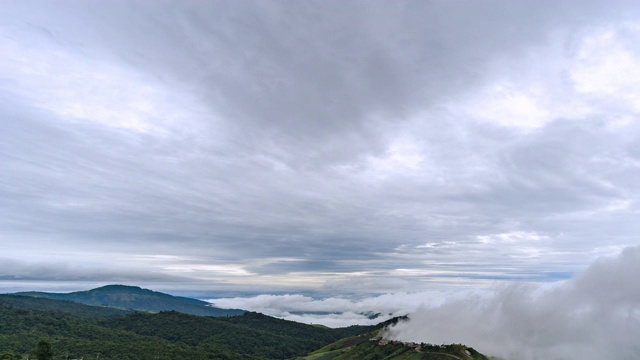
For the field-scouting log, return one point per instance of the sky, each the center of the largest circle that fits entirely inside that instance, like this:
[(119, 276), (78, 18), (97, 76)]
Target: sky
[(338, 150)]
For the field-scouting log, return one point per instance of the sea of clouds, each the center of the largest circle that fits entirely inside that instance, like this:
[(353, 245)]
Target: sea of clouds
[(336, 311), (595, 315)]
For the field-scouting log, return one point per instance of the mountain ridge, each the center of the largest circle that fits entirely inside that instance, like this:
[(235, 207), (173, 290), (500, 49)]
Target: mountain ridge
[(136, 298)]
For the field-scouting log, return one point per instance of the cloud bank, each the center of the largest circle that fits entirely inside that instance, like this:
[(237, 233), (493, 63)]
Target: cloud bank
[(595, 315), (337, 311)]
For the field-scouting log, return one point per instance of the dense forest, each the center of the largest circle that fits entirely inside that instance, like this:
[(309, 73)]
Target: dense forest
[(91, 332), (371, 347)]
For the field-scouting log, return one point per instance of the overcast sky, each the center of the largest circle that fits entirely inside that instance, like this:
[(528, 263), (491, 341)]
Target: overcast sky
[(327, 147)]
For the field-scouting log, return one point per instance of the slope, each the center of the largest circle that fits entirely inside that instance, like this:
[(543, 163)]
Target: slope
[(61, 306), (90, 332), (251, 335), (81, 338), (372, 347)]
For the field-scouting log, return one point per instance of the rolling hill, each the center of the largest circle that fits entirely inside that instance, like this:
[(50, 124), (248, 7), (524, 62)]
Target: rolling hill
[(92, 332)]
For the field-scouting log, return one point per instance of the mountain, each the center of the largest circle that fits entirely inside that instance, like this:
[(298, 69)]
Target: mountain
[(136, 298)]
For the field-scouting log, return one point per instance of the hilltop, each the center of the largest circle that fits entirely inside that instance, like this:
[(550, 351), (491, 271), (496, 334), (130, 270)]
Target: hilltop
[(139, 299), (371, 346)]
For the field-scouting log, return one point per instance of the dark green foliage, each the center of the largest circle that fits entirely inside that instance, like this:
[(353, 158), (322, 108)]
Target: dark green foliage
[(21, 329), (10, 356), (133, 297), (58, 306), (368, 347), (91, 332), (165, 335), (43, 351), (252, 335)]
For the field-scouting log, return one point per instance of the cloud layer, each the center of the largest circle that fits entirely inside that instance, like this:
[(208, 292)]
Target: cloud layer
[(595, 315), (339, 147), (337, 311)]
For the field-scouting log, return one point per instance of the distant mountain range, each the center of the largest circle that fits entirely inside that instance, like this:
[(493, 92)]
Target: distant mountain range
[(136, 298)]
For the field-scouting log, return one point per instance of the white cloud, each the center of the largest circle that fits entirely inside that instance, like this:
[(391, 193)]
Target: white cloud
[(339, 311), (514, 237), (402, 157), (208, 270), (608, 65), (593, 316), (507, 105), (570, 77), (76, 85)]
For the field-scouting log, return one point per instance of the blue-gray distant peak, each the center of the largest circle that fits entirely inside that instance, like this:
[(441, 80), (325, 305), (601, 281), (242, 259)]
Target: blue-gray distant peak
[(136, 298)]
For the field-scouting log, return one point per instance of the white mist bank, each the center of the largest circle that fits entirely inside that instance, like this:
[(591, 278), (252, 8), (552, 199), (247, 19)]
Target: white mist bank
[(595, 315), (337, 311)]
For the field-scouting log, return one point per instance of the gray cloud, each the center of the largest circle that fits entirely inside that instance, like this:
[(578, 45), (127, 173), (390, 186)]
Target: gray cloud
[(304, 145), (69, 272)]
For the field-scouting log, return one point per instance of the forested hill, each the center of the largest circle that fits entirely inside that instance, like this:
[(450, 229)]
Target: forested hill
[(253, 335), (135, 298), (61, 307), (91, 332), (371, 347)]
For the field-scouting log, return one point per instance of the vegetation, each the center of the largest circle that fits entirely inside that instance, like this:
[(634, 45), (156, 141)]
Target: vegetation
[(44, 328), (370, 347), (101, 333), (43, 351), (63, 307), (252, 335), (77, 337)]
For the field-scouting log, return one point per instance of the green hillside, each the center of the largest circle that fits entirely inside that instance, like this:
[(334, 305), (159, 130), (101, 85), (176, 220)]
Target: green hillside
[(135, 298), (91, 332), (252, 335), (61, 306), (78, 337), (371, 347)]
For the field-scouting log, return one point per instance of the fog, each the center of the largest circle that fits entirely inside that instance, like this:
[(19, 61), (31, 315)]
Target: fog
[(337, 311), (595, 315)]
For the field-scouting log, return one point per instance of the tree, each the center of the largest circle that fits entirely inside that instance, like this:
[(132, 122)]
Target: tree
[(43, 351)]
